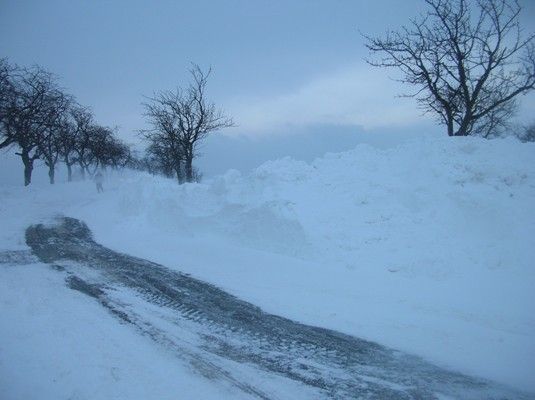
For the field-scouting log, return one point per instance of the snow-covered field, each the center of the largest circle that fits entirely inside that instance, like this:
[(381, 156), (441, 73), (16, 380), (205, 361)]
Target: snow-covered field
[(427, 247)]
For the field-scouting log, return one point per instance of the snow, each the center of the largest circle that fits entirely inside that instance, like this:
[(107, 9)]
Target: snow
[(426, 246), (62, 345)]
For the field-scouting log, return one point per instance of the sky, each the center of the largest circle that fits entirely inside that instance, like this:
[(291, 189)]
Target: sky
[(292, 74)]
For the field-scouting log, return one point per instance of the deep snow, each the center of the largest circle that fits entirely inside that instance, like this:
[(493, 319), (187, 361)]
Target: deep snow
[(426, 247)]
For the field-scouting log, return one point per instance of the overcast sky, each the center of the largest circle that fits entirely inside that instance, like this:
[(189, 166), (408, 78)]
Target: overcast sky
[(290, 72)]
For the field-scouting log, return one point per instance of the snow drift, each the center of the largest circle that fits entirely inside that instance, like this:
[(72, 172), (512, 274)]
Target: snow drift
[(427, 247)]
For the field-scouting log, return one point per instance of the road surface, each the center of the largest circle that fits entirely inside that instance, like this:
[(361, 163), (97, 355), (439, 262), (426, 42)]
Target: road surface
[(214, 332)]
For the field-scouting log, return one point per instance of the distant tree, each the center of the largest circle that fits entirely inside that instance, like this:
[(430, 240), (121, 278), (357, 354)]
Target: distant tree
[(6, 89), (66, 142), (83, 128), (119, 154), (146, 163), (137, 161), (30, 101), (180, 120), (106, 150), (163, 159), (94, 145), (49, 144), (498, 122), (467, 60), (43, 122), (197, 175), (528, 133), (99, 141)]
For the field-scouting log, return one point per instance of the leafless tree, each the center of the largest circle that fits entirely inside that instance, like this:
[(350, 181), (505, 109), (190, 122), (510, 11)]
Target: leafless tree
[(6, 89), (66, 142), (106, 150), (498, 122), (180, 120), (49, 143), (162, 160), (6, 92), (30, 103), (528, 133), (83, 126), (119, 154), (94, 145), (43, 122), (467, 59)]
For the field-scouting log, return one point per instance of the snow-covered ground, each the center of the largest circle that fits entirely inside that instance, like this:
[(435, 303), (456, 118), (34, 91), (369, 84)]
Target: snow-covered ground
[(426, 247)]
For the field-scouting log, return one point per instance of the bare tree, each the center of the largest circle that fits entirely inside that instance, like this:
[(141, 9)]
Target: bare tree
[(528, 133), (83, 127), (29, 105), (180, 120), (106, 150), (119, 154), (49, 142), (468, 60), (94, 145), (66, 142), (162, 160), (6, 92), (43, 122), (498, 122)]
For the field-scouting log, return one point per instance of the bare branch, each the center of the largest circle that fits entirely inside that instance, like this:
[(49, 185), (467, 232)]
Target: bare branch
[(180, 120), (467, 58)]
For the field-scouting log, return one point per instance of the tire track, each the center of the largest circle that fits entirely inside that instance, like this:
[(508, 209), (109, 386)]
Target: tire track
[(338, 366)]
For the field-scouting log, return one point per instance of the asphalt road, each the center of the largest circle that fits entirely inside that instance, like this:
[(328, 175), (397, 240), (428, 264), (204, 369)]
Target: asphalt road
[(214, 331)]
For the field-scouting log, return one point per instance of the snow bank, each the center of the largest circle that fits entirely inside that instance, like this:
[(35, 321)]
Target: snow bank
[(427, 247), (435, 207)]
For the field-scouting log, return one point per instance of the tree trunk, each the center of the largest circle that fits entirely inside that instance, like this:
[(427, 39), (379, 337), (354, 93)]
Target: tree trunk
[(82, 171), (52, 174), (188, 167), (466, 124), (28, 167), (69, 172), (450, 127), (179, 172)]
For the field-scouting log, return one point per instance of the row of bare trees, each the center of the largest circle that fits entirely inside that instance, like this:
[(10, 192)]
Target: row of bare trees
[(41, 121), (467, 60)]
